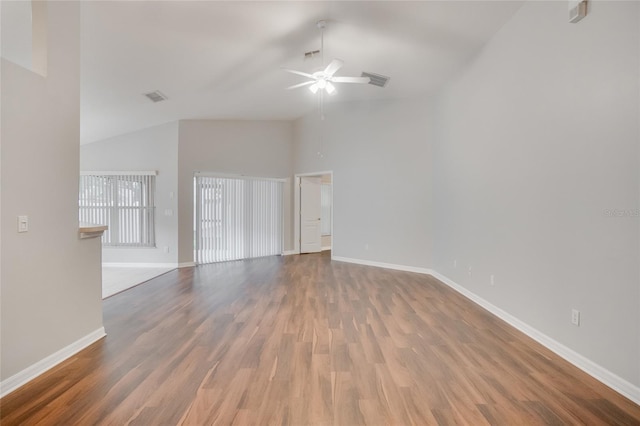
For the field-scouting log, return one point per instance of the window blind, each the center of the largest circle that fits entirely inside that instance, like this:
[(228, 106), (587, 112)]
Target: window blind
[(124, 202), (237, 218)]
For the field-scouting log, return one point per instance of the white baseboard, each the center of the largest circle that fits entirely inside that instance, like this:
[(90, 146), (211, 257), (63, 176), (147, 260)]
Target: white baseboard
[(383, 265), (186, 264), (325, 248), (289, 252), (14, 382), (600, 373), (140, 265)]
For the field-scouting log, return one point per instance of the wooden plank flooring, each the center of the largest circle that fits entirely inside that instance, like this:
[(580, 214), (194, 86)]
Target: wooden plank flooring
[(302, 340)]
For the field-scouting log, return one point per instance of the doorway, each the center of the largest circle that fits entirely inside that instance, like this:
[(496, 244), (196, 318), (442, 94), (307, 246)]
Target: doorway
[(313, 212)]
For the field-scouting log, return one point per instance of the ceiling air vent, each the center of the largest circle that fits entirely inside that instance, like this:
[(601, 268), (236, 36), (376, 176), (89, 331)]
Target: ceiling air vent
[(311, 54), (376, 79), (156, 96)]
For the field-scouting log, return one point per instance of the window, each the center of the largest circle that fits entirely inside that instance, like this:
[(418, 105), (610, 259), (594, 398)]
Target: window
[(124, 202), (237, 218)]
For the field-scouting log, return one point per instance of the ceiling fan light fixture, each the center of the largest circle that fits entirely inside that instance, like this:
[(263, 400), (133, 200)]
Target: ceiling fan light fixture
[(323, 80), (330, 88)]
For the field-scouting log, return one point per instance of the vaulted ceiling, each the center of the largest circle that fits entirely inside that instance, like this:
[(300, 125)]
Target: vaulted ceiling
[(223, 59)]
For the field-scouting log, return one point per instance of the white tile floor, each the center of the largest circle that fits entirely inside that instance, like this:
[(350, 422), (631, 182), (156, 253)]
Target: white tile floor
[(117, 279)]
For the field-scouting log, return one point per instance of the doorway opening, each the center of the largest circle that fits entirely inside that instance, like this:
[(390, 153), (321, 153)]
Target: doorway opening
[(313, 212)]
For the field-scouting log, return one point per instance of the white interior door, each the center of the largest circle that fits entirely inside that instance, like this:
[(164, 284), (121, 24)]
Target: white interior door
[(310, 212)]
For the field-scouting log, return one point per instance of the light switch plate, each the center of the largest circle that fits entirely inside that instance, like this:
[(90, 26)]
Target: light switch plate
[(23, 223)]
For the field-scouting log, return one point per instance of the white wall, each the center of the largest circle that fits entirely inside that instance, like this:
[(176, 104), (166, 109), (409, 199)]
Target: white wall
[(50, 279), (381, 163), (252, 148), (17, 45), (24, 34), (538, 139), (155, 148)]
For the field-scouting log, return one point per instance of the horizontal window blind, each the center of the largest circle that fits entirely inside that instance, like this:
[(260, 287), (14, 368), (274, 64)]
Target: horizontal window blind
[(124, 202), (237, 218)]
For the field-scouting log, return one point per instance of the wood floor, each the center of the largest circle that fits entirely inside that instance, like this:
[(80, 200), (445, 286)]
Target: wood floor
[(302, 340)]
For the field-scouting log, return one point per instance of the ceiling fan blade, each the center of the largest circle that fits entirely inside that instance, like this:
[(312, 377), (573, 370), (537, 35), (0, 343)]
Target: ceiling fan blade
[(363, 80), (304, 74), (295, 86), (334, 66)]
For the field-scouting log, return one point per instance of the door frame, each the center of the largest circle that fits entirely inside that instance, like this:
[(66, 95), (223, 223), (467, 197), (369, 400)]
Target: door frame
[(296, 208)]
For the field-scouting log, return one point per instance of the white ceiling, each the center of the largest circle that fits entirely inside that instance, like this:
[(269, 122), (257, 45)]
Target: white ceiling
[(222, 60)]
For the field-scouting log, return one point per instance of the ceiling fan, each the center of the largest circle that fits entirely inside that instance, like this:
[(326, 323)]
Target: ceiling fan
[(323, 80)]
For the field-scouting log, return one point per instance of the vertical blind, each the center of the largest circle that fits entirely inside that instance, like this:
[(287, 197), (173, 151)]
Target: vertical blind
[(237, 218), (124, 202)]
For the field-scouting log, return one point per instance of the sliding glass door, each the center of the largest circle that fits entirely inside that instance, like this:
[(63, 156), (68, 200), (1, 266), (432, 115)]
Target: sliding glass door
[(237, 218)]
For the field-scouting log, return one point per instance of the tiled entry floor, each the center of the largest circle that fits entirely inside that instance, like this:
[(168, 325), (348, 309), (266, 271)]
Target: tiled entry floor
[(116, 279)]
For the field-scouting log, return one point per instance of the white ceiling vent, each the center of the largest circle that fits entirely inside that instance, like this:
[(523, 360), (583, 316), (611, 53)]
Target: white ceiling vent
[(311, 54), (376, 79), (156, 96)]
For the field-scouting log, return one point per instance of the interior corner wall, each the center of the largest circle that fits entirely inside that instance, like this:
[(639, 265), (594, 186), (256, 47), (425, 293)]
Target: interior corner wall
[(251, 148), (16, 24), (537, 171), (50, 278), (380, 155), (154, 148)]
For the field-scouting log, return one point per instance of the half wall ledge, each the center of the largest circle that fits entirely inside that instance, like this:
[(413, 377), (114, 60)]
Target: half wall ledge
[(90, 230)]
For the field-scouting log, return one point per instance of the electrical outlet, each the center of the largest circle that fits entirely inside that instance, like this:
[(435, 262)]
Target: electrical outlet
[(165, 249), (575, 317), (366, 246), (455, 263), (469, 271), (492, 280)]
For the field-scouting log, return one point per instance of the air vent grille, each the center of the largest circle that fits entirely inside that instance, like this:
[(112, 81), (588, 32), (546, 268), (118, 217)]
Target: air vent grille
[(376, 79), (311, 54), (156, 96)]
